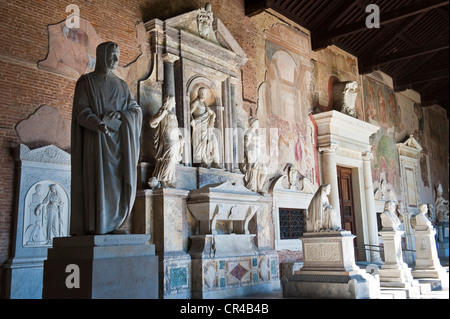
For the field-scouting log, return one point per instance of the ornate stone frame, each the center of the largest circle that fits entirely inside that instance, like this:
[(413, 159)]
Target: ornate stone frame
[(289, 197), (409, 158)]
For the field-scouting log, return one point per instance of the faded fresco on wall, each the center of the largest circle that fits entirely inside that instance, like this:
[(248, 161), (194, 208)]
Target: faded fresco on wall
[(438, 134), (72, 53), (381, 106), (284, 103), (385, 165)]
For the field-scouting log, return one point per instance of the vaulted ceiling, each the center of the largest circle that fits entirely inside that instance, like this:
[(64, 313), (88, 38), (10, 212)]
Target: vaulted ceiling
[(411, 44)]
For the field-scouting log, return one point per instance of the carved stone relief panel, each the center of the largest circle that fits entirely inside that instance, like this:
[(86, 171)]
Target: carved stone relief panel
[(46, 214)]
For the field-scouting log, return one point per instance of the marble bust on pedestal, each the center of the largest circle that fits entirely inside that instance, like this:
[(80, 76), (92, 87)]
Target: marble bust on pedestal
[(421, 218), (389, 219)]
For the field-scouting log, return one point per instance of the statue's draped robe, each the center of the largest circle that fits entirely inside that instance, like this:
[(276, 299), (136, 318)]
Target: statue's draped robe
[(104, 168), (321, 216), (255, 170), (204, 141), (169, 146)]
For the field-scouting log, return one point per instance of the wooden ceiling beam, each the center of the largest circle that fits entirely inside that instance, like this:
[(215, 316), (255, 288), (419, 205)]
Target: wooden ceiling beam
[(330, 16), (324, 38), (372, 64), (409, 82), (255, 7)]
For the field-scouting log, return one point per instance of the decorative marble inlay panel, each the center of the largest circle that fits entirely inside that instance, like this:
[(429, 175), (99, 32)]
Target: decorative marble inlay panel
[(210, 275), (178, 277), (238, 272)]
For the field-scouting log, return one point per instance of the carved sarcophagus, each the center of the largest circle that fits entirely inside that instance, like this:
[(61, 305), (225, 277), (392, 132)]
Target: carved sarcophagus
[(232, 203)]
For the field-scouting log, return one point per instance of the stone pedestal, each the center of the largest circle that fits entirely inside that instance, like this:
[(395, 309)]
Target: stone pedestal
[(162, 213), (39, 170), (230, 265), (101, 267), (394, 273), (329, 270), (442, 239), (428, 265)]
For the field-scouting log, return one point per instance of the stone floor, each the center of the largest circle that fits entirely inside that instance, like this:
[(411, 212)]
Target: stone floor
[(426, 290)]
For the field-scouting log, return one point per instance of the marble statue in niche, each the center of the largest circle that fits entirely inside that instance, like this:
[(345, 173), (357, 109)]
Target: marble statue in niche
[(293, 176), (321, 216), (389, 218), (344, 97), (254, 166), (205, 146), (106, 128), (441, 205), (47, 215), (421, 217), (294, 179), (169, 144)]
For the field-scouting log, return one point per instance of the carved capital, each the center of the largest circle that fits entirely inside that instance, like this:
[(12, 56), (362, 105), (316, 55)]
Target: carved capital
[(331, 148), (367, 156), (170, 58)]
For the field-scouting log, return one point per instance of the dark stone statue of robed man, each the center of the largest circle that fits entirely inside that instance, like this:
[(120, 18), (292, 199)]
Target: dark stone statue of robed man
[(106, 127)]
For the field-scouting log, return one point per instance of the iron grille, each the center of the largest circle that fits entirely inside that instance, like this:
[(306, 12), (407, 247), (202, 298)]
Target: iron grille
[(292, 222)]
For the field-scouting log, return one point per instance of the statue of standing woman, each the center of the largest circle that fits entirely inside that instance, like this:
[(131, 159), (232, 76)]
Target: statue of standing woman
[(169, 144), (106, 128), (204, 141), (254, 168), (321, 215)]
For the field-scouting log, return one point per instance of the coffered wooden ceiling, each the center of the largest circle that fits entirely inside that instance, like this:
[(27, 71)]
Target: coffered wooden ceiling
[(411, 44)]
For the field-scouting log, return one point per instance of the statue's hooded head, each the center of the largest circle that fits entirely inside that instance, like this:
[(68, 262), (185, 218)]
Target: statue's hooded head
[(108, 55)]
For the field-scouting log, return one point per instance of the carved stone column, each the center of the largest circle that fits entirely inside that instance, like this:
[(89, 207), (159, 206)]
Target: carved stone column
[(169, 78), (330, 174), (370, 206)]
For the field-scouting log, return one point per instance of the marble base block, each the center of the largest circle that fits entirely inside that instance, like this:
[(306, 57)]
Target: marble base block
[(24, 279), (329, 270), (427, 264), (104, 266), (394, 273), (230, 266)]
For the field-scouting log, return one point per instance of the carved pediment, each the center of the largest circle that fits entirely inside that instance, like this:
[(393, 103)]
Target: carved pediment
[(202, 24), (410, 148), (46, 154)]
